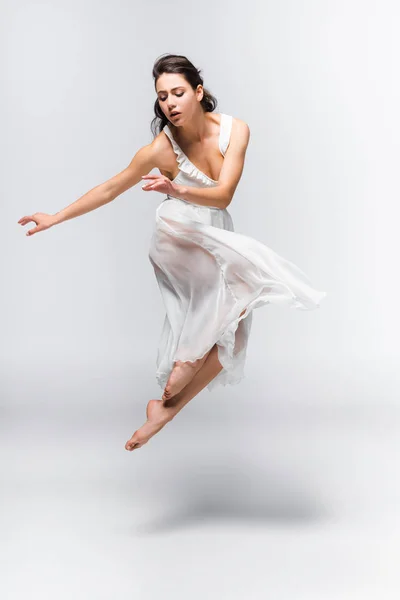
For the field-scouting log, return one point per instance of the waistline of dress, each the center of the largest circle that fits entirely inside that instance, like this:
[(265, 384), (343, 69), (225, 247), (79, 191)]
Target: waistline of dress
[(168, 197)]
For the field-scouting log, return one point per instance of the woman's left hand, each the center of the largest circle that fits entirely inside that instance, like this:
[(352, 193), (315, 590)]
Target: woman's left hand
[(160, 183)]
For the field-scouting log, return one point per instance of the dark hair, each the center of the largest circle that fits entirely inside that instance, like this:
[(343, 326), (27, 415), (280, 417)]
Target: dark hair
[(175, 63)]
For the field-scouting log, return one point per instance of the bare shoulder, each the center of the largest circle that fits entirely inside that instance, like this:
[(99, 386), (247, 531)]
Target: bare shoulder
[(240, 133), (239, 123), (154, 152), (163, 154), (154, 155)]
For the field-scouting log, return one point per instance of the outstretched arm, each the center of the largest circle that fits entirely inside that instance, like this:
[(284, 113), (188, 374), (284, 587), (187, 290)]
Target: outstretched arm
[(144, 160), (221, 195)]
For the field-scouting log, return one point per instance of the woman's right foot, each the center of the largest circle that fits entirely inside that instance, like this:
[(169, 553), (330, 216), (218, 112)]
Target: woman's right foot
[(157, 417)]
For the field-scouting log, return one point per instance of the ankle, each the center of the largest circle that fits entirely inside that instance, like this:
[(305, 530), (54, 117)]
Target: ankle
[(169, 411)]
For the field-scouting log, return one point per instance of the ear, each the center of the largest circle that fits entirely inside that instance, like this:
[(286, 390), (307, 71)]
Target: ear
[(200, 92)]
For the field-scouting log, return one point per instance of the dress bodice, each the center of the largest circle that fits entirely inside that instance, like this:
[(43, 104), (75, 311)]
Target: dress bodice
[(189, 174)]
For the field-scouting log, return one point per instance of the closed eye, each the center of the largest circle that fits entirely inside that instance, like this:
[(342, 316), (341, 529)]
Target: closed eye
[(162, 99)]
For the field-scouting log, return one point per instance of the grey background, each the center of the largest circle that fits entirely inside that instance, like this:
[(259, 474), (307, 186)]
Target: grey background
[(284, 486)]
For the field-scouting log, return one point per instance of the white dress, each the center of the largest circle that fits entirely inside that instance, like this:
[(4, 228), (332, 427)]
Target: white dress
[(208, 275)]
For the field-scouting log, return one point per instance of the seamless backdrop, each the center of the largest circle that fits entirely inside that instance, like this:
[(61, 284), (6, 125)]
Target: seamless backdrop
[(283, 486)]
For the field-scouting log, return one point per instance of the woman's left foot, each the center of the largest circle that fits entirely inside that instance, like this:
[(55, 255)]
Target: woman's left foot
[(181, 375), (157, 417)]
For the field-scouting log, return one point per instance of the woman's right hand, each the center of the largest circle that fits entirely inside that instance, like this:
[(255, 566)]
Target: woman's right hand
[(42, 220)]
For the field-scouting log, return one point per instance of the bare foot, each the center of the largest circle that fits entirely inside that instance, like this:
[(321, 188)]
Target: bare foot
[(157, 417), (181, 375)]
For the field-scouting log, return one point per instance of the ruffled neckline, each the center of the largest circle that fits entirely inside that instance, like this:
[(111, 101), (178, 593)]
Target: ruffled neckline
[(185, 164)]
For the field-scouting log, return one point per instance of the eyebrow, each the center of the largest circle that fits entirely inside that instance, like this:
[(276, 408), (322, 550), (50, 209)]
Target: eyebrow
[(175, 88)]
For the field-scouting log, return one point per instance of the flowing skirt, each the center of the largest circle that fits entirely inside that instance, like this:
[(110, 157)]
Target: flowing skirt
[(208, 275)]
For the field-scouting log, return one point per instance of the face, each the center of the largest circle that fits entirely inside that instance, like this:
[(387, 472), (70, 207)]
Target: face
[(176, 94)]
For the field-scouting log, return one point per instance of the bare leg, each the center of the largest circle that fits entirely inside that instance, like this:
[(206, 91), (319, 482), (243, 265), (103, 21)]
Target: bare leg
[(207, 373), (181, 375), (159, 413)]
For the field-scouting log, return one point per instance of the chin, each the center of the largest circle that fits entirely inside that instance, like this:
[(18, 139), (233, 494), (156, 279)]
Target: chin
[(177, 122)]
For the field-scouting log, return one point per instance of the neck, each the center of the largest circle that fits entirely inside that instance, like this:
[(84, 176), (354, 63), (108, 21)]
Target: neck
[(195, 130)]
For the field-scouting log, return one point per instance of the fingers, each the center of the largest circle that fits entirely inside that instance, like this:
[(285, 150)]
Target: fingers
[(28, 219), (151, 186), (157, 183), (155, 178)]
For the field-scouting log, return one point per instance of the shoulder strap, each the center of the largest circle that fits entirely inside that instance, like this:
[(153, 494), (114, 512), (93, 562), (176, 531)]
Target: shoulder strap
[(167, 131), (225, 132), (180, 155)]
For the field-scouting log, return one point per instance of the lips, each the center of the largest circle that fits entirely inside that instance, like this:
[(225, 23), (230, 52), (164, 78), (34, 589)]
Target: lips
[(174, 114)]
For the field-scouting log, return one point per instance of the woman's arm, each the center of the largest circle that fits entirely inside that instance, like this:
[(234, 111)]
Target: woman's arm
[(143, 161), (232, 167)]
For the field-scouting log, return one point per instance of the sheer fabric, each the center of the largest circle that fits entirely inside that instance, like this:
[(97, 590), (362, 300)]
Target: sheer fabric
[(208, 275)]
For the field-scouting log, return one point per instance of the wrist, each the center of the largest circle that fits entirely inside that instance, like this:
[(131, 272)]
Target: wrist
[(181, 191), (56, 219)]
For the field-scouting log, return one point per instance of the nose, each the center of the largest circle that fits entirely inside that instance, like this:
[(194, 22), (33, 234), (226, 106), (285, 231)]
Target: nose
[(171, 106)]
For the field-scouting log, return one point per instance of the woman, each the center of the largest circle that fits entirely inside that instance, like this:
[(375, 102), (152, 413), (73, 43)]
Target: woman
[(210, 277)]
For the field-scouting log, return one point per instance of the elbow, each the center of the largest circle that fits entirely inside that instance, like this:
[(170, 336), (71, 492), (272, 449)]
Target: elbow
[(226, 199)]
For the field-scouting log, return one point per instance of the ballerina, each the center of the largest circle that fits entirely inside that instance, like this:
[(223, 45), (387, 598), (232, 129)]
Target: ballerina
[(210, 277)]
